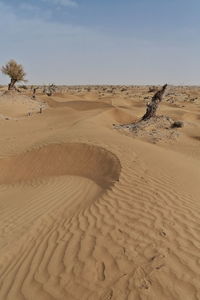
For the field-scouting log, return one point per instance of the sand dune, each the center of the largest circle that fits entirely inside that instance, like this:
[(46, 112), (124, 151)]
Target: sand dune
[(76, 159), (13, 105), (91, 212)]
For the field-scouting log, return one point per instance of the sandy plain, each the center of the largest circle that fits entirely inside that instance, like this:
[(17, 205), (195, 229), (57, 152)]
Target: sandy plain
[(88, 211)]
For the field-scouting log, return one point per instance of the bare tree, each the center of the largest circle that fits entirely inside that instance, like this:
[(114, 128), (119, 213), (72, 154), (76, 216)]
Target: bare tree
[(44, 89), (153, 105), (51, 89), (15, 71), (34, 92)]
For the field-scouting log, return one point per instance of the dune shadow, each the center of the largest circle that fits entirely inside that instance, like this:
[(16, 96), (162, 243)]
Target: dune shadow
[(92, 162), (79, 105)]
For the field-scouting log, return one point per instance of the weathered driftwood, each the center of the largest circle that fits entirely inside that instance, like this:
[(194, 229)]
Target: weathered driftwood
[(153, 105)]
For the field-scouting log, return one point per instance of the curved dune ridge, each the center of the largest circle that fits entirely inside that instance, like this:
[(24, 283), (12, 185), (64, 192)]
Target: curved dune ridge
[(83, 160), (82, 105), (41, 180)]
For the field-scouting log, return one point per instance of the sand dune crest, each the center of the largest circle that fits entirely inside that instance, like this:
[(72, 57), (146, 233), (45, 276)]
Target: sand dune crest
[(84, 160)]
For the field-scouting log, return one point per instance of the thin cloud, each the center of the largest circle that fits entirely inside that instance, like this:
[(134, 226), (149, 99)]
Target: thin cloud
[(65, 3), (54, 51), (27, 6)]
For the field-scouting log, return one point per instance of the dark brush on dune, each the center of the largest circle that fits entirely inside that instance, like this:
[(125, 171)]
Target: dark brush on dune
[(177, 124)]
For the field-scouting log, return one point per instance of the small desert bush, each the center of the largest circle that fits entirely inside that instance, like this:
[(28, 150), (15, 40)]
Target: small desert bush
[(15, 71), (153, 89)]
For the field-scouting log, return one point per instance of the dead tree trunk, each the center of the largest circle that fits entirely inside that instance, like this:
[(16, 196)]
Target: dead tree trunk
[(153, 105), (11, 85), (34, 92)]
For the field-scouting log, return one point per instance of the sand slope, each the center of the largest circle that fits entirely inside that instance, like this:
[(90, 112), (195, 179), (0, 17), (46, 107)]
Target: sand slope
[(90, 212), (14, 105)]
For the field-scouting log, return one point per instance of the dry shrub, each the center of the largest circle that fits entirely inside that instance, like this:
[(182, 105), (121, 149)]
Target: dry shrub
[(15, 71)]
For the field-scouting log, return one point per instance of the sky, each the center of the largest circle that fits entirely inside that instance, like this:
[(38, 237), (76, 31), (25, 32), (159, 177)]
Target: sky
[(102, 42)]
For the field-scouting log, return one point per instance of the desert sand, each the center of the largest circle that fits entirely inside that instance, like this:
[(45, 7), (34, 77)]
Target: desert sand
[(90, 211)]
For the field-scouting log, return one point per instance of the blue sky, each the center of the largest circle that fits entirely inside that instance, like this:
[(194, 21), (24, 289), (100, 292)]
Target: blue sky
[(102, 42)]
